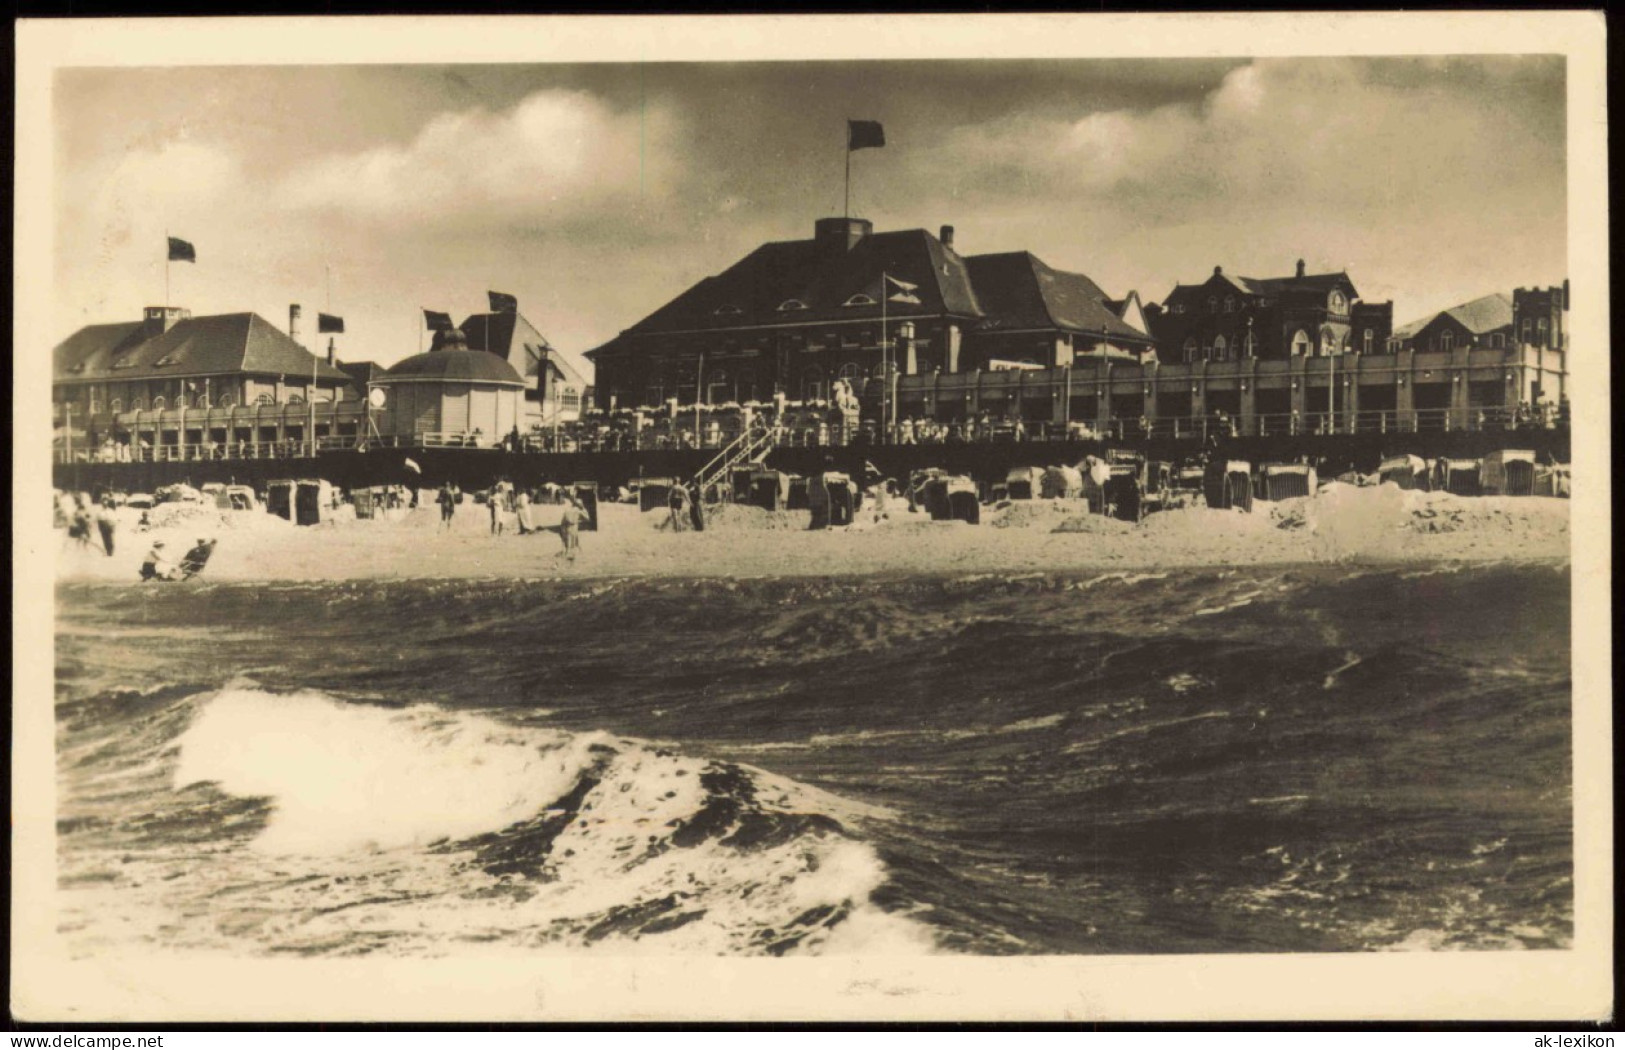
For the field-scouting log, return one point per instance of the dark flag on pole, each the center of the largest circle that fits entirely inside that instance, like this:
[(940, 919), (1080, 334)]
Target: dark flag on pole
[(503, 303), (329, 323), (181, 251), (437, 321), (864, 134)]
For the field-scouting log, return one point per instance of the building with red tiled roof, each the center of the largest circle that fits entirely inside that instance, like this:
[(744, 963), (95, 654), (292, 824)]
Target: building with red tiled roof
[(792, 317)]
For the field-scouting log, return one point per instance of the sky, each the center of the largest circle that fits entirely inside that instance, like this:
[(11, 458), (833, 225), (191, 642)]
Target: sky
[(595, 193)]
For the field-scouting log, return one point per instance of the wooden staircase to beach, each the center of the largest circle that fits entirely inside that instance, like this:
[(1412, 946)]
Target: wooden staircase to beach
[(749, 449)]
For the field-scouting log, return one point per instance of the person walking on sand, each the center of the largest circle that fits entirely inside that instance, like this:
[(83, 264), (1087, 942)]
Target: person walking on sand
[(494, 502), (570, 529), (107, 522), (448, 505)]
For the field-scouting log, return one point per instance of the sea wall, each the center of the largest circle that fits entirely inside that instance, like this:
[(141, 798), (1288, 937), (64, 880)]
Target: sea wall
[(478, 468)]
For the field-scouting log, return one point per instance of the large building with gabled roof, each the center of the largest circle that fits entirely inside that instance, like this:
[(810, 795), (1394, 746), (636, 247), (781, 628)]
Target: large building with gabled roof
[(170, 359), (1484, 322), (792, 317), (1231, 318)]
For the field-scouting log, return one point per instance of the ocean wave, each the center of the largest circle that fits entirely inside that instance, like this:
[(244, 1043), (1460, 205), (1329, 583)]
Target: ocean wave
[(419, 829)]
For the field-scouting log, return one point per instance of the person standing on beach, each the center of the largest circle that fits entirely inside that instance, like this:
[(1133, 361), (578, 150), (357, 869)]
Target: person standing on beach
[(521, 502), (107, 523), (570, 529)]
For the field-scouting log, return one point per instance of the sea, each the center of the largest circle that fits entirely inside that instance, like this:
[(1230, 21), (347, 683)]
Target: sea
[(1318, 758)]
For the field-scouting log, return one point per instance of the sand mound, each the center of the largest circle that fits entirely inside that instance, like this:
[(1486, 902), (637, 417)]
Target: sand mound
[(1031, 513), (739, 517), (1097, 524)]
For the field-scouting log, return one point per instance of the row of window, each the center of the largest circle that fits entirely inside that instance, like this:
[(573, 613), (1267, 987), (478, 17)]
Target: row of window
[(161, 403), (793, 305)]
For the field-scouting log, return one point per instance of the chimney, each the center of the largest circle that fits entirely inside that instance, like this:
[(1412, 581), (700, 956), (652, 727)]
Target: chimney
[(293, 322), (1217, 270), (947, 237), (841, 234), (1300, 267), (160, 319)]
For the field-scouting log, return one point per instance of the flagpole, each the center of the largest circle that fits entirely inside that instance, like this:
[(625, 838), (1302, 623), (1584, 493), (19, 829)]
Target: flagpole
[(885, 370), (166, 267), (846, 211)]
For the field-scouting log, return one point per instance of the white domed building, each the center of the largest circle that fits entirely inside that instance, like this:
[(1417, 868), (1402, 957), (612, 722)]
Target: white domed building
[(450, 395)]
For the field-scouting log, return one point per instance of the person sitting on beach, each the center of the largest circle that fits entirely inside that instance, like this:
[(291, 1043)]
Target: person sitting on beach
[(157, 565)]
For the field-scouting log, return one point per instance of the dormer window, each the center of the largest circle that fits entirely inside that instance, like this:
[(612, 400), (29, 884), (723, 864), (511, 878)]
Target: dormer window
[(1179, 308), (857, 300), (792, 304), (729, 310), (165, 361), (124, 362)]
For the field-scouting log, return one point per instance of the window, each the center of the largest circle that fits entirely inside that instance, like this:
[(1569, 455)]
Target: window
[(115, 406), (1496, 341), (1221, 349), (728, 310), (1337, 302), (792, 304), (296, 399), (1212, 304), (1447, 340), (227, 400), (1190, 350), (859, 300), (718, 388), (1393, 346), (266, 399), (654, 393), (158, 404), (747, 384), (812, 384), (1368, 341), (1179, 308), (1229, 304), (1300, 343), (852, 373), (1328, 342), (1540, 329), (1526, 329)]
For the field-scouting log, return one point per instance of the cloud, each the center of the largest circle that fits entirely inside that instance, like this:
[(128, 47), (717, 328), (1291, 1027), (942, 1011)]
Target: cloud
[(557, 155), (1395, 171)]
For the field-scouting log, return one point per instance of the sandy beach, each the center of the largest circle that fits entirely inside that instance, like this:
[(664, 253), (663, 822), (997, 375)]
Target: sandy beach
[(1340, 523)]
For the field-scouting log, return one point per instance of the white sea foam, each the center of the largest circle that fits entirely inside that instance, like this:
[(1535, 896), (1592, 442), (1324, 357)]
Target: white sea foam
[(344, 779), (349, 776)]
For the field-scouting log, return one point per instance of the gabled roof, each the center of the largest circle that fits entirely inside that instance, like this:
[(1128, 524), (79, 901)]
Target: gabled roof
[(517, 341), (823, 278), (1269, 286), (362, 373), (220, 344), (1018, 290), (1479, 316)]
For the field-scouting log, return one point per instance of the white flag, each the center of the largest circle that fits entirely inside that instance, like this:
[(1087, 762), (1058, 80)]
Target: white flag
[(904, 291), (412, 465)]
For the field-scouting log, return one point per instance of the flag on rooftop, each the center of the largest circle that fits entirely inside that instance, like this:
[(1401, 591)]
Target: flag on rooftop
[(181, 251), (329, 323), (437, 321), (503, 303), (864, 134), (901, 291)]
